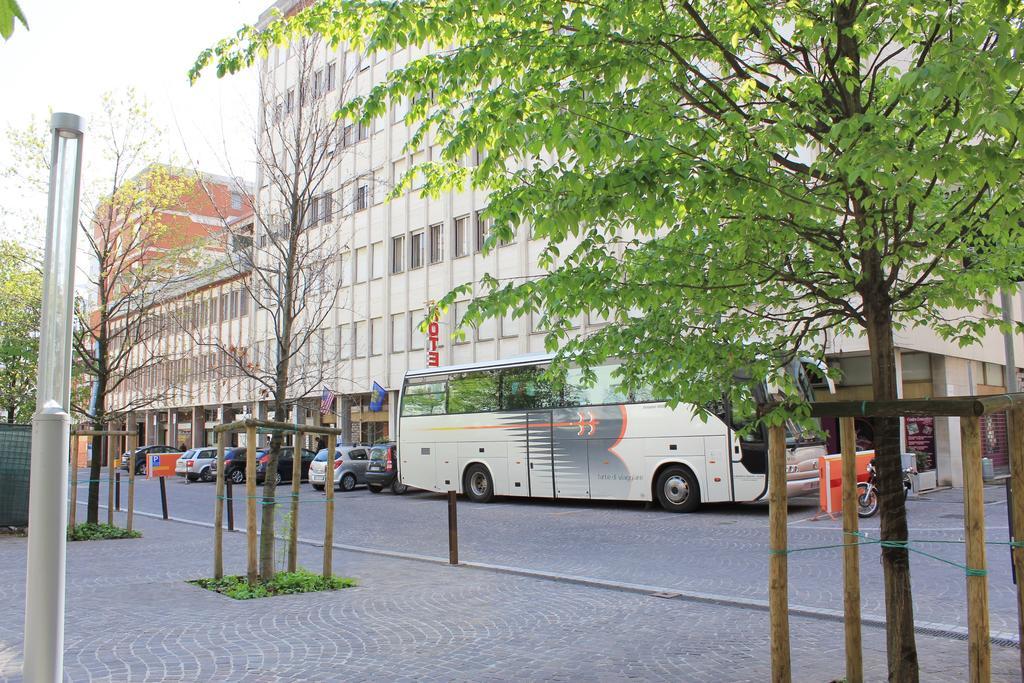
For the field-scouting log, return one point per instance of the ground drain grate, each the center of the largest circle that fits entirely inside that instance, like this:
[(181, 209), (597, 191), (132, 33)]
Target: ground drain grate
[(665, 595)]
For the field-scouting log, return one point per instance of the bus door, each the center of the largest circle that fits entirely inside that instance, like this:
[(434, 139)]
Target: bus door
[(538, 453)]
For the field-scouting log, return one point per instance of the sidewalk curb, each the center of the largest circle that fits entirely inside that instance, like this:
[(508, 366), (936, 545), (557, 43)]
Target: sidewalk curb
[(1000, 638)]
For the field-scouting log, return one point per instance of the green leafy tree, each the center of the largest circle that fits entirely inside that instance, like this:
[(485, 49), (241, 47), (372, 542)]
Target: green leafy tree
[(21, 291), (724, 181), (9, 11)]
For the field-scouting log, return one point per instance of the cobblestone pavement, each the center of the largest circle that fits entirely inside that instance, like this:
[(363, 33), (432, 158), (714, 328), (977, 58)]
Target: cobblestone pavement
[(131, 617), (721, 550)]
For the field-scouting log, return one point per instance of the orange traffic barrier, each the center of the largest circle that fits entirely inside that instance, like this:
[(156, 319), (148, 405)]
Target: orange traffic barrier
[(830, 489)]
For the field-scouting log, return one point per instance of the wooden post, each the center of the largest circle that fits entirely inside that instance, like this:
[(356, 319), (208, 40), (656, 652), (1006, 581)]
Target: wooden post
[(73, 511), (293, 531), (329, 515), (778, 576), (131, 441), (851, 553), (250, 500), (1016, 417), (979, 647), (111, 443), (218, 512), (453, 530)]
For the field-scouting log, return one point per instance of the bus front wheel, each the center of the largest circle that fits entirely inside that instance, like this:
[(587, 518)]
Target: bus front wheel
[(677, 490), (478, 485)]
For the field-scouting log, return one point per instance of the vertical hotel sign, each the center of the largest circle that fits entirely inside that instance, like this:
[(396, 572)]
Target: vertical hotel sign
[(433, 335)]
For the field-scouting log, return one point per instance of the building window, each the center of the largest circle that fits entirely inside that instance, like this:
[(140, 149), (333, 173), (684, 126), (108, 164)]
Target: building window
[(329, 81), (483, 226), (244, 304), (416, 335), (398, 333), (362, 265), (344, 341), (318, 82), (236, 200), (345, 269), (461, 238), (398, 254), (289, 102), (460, 313), (376, 336), (225, 304), (362, 196), (436, 247), (362, 131), (361, 339), (325, 209), (418, 180), (416, 250), (509, 326), (376, 260), (485, 332)]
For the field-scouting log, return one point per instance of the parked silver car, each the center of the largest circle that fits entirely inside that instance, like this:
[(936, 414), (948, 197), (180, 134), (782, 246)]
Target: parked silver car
[(350, 464), (197, 464)]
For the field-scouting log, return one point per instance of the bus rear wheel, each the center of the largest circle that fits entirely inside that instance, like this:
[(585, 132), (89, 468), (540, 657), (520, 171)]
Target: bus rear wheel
[(677, 490), (478, 485)]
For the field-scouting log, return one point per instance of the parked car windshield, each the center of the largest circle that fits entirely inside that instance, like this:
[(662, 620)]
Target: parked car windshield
[(190, 453), (379, 453), (322, 456)]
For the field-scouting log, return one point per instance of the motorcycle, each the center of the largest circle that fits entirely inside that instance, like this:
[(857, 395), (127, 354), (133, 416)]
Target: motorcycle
[(867, 491)]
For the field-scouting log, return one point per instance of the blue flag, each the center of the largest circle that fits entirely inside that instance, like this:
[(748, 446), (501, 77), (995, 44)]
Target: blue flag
[(377, 397)]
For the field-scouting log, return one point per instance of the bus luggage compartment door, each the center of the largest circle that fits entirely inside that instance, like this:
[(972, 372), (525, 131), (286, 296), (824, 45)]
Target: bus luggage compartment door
[(538, 453)]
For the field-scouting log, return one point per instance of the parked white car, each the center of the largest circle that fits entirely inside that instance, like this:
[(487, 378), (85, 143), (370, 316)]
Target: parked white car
[(350, 464), (197, 464)]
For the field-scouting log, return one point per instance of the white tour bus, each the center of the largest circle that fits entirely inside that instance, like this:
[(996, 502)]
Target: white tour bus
[(497, 428)]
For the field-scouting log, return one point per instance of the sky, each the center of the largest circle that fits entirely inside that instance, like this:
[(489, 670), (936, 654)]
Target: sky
[(74, 51)]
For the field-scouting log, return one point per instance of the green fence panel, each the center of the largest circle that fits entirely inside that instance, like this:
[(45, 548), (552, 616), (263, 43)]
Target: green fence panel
[(15, 458)]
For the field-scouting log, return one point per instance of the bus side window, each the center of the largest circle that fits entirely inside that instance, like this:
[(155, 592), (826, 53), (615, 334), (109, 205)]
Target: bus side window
[(604, 390), (525, 389), (473, 392), (424, 399)]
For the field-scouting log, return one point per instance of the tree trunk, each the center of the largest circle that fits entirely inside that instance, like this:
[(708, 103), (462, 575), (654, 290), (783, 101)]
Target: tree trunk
[(267, 525), (95, 470), (899, 605)]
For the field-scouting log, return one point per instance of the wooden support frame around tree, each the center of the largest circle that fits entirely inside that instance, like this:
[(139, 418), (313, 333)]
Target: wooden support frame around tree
[(130, 446), (778, 563), (851, 553), (251, 427), (969, 409)]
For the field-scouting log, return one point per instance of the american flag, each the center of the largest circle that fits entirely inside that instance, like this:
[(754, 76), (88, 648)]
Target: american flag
[(326, 401)]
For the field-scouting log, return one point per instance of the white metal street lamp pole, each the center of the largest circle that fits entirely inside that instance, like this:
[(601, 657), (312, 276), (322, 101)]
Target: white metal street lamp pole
[(48, 488)]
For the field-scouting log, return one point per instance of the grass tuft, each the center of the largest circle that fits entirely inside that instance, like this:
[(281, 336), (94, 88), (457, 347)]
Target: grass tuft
[(284, 583), (99, 532)]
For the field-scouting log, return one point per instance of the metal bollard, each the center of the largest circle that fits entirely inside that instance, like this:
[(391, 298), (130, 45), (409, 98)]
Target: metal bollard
[(453, 530), (117, 491), (230, 500)]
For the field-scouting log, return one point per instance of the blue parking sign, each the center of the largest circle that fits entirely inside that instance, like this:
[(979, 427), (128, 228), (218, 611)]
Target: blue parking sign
[(154, 460)]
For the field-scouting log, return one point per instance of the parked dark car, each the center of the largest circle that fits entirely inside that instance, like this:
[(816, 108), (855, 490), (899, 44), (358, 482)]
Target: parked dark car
[(234, 464), (141, 458), (284, 464), (382, 472)]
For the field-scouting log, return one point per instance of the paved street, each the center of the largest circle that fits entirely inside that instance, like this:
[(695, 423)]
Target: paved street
[(721, 550), (131, 617)]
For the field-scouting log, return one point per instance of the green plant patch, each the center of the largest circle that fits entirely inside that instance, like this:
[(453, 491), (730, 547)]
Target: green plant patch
[(99, 532), (285, 583)]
